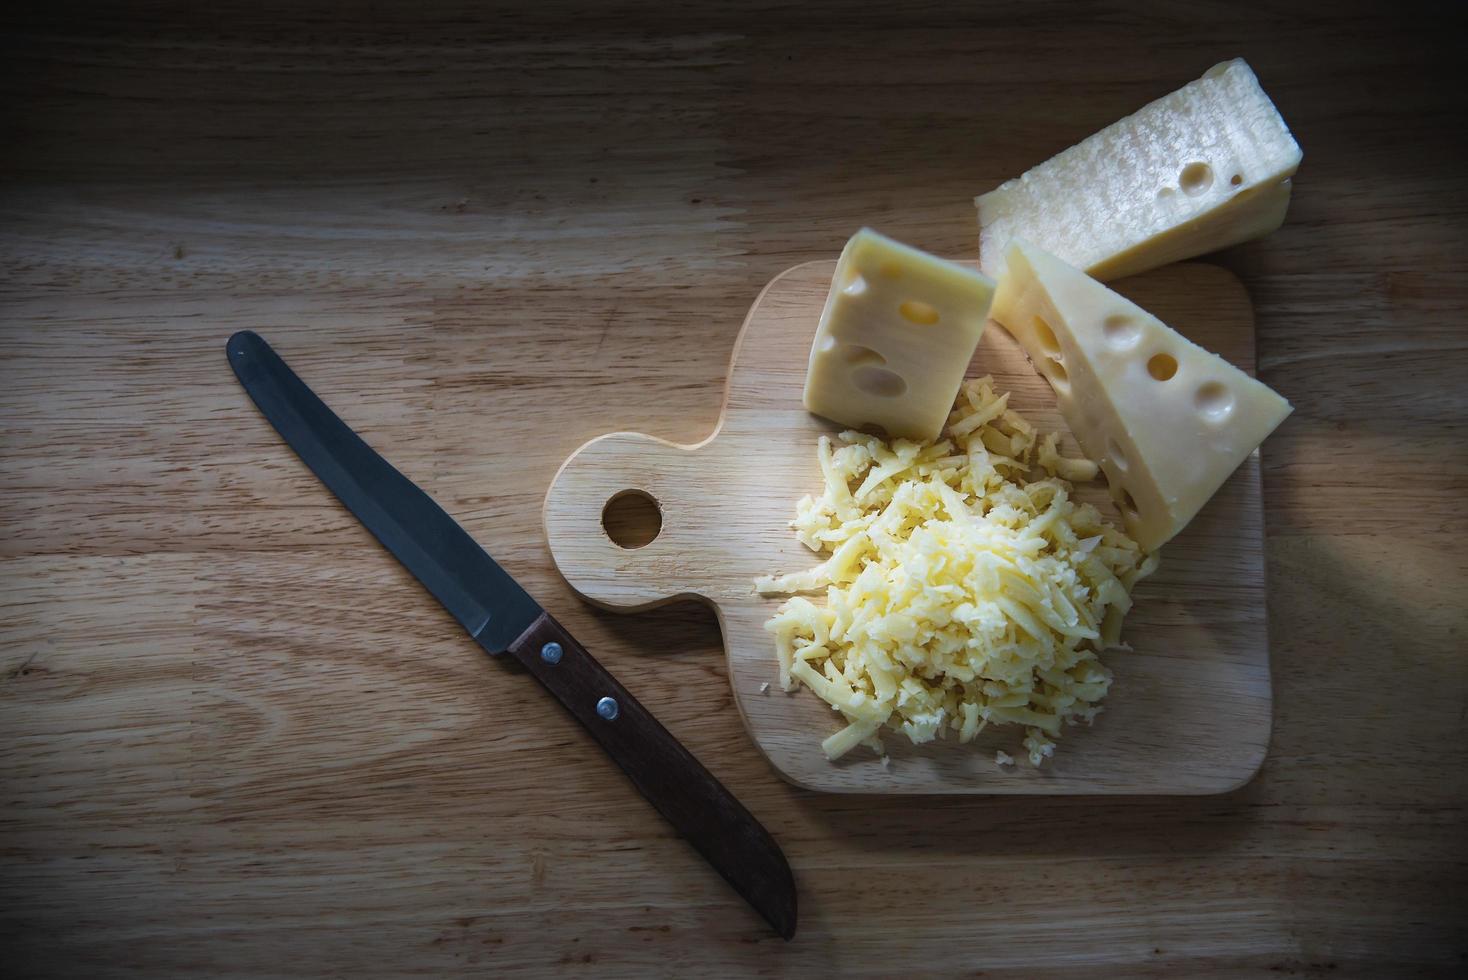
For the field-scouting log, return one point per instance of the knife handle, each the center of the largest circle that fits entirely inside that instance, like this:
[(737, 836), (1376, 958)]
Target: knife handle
[(671, 778)]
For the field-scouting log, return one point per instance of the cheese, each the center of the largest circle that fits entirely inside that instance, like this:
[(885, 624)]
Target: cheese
[(1204, 168), (1167, 420), (895, 337), (958, 593)]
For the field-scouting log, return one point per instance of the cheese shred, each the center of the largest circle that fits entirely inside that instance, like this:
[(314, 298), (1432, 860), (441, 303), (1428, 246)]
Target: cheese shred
[(959, 593)]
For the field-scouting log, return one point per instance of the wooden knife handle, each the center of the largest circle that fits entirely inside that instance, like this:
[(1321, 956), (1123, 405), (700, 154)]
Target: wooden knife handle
[(675, 782)]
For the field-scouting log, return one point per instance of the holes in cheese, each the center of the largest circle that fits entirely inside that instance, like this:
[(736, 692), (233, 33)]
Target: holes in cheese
[(1121, 331), (895, 337), (1195, 178), (916, 311), (1147, 190), (1116, 454), (1055, 372), (632, 519), (1168, 420), (1162, 367), (1046, 337), (1214, 401), (879, 383)]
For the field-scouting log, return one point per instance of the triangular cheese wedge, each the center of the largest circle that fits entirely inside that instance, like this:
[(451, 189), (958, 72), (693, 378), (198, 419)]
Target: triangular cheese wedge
[(1204, 168), (1167, 421)]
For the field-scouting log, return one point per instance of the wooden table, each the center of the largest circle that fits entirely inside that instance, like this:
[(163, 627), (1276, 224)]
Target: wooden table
[(234, 737)]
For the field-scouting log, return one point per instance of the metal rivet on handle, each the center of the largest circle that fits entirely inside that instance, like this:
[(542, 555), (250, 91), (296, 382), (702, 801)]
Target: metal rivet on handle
[(551, 653), (607, 708)]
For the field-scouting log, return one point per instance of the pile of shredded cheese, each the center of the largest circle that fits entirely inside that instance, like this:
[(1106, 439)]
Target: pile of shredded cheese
[(959, 592)]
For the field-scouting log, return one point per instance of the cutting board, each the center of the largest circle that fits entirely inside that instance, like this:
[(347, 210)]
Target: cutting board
[(1189, 711)]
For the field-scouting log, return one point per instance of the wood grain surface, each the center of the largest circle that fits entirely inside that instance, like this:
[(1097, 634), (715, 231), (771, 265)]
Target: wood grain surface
[(1190, 709), (234, 738)]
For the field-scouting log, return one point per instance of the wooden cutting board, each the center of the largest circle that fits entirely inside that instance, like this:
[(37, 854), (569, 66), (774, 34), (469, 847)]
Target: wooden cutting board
[(1189, 711)]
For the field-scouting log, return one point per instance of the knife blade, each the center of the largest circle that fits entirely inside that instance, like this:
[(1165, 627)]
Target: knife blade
[(503, 618)]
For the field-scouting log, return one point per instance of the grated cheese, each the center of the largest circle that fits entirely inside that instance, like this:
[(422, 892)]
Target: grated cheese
[(959, 593)]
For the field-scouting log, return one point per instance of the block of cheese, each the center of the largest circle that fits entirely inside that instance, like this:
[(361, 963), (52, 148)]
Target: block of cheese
[(1204, 168), (1167, 421), (895, 338)]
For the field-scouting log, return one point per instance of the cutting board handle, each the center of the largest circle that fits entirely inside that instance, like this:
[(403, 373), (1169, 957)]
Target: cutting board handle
[(599, 569)]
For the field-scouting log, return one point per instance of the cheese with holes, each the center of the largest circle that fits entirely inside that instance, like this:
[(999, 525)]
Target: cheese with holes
[(1204, 168), (895, 337), (1167, 421)]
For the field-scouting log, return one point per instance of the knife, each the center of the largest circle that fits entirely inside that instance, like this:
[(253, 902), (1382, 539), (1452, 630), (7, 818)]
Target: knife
[(503, 618)]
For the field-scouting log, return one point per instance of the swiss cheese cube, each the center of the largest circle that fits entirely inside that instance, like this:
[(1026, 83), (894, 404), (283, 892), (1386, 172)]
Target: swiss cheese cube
[(895, 338), (1204, 168), (1167, 421)]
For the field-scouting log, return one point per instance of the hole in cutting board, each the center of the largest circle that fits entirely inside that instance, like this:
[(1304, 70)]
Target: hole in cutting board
[(632, 519)]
